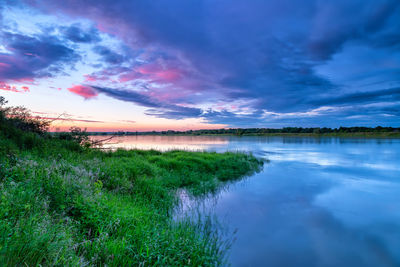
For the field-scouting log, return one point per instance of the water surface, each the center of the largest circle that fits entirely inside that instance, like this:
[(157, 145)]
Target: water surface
[(319, 202)]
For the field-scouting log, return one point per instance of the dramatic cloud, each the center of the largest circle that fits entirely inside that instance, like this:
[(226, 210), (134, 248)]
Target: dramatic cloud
[(385, 95), (108, 55), (84, 91), (285, 62), (157, 108), (32, 57), (75, 33)]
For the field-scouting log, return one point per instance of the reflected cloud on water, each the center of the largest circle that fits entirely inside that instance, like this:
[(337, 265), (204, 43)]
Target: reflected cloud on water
[(163, 143), (319, 202)]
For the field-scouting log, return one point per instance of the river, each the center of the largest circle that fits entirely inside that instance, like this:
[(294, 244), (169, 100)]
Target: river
[(318, 202)]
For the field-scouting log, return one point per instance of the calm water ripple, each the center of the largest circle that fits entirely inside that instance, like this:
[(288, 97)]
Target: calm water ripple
[(319, 202)]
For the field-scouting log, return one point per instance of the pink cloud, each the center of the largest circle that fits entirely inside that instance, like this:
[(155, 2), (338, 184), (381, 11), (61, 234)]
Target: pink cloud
[(94, 78), (4, 65), (133, 75), (152, 72), (169, 75), (157, 72), (13, 88), (90, 78), (24, 80), (84, 91)]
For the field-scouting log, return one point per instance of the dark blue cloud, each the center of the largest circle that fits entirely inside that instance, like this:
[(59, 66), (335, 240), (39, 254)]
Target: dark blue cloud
[(253, 119), (359, 115), (341, 21), (33, 56), (385, 95), (157, 108), (75, 33), (108, 55)]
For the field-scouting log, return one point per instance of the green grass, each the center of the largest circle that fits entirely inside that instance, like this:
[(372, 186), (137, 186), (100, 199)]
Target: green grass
[(65, 205)]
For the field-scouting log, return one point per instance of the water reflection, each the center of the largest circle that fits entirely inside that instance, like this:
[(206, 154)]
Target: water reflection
[(163, 143), (319, 202)]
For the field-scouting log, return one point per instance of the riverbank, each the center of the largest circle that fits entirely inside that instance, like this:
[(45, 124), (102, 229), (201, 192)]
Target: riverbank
[(63, 203), (319, 135), (383, 134)]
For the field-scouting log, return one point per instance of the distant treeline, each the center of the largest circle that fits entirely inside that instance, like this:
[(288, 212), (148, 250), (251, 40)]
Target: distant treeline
[(269, 131)]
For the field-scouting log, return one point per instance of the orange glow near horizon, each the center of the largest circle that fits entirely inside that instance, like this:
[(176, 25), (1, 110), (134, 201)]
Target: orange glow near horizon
[(132, 127)]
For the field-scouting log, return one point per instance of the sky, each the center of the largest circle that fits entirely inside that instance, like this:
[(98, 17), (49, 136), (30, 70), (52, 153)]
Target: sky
[(140, 65)]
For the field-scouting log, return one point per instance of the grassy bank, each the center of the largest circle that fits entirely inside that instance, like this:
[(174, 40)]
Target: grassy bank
[(63, 203)]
